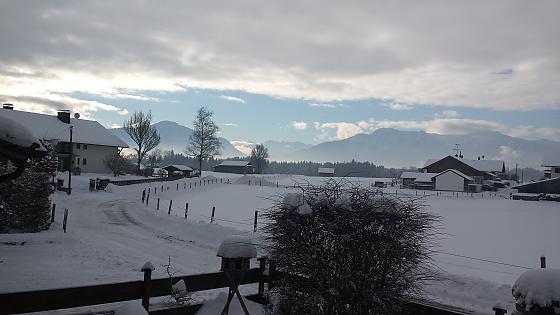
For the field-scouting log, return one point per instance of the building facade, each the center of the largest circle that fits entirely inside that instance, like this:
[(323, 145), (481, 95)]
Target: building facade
[(81, 145)]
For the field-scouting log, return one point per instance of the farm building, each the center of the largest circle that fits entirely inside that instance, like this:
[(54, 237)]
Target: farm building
[(547, 186), (417, 180), (178, 170), (552, 162), (91, 143), (452, 180), (479, 170), (236, 167), (326, 171)]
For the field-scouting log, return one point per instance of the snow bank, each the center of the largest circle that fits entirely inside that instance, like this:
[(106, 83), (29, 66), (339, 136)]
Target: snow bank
[(237, 247), (131, 308), (539, 287), (215, 306)]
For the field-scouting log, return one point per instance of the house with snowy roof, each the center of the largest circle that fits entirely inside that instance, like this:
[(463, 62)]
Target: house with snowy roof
[(551, 160), (177, 170), (90, 146), (326, 171), (478, 170), (236, 167)]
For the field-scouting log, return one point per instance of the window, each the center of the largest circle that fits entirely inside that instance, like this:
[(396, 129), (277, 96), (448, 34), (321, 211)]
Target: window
[(84, 162), (85, 146), (77, 145), (78, 161), (557, 170)]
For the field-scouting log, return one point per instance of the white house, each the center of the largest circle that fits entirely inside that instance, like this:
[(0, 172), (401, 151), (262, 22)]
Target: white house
[(552, 161), (91, 142), (452, 180)]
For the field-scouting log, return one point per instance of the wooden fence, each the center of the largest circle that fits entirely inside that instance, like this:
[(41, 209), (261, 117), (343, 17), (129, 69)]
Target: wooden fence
[(46, 300)]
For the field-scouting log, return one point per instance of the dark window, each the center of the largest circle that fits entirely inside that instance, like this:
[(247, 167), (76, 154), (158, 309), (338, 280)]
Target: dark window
[(557, 170), (77, 145), (84, 162), (85, 146), (78, 161)]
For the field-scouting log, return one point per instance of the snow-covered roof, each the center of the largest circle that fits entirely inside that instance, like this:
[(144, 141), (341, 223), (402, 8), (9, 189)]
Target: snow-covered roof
[(456, 172), (49, 127), (417, 176), (235, 163), (480, 165), (326, 170), (182, 168), (237, 246)]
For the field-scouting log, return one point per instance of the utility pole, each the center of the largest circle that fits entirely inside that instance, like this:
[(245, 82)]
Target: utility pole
[(71, 160)]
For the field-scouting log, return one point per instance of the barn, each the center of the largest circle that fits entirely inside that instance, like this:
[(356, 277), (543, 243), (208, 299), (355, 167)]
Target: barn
[(178, 170), (326, 171), (479, 170), (236, 167), (417, 180), (452, 180)]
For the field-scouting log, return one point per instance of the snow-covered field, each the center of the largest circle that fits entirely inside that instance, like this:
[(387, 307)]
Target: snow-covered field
[(486, 243)]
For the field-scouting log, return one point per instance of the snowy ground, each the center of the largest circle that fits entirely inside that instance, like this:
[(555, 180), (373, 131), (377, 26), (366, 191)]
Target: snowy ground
[(111, 234)]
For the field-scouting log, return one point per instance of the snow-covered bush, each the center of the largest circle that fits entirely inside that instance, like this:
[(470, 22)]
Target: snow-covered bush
[(354, 250), (24, 201), (538, 292)]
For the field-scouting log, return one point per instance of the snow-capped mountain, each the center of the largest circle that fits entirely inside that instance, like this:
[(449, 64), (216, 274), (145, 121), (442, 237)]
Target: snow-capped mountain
[(396, 148), (175, 137)]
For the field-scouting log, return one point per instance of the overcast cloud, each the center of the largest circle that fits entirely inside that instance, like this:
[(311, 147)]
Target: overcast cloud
[(487, 54)]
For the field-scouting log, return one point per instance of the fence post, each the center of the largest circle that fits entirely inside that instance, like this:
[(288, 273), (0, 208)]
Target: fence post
[(147, 270), (212, 218), (170, 203), (177, 186), (148, 190), (147, 200), (186, 209), (157, 204), (262, 267), (53, 212), (255, 223), (65, 219), (543, 261), (161, 188), (143, 195)]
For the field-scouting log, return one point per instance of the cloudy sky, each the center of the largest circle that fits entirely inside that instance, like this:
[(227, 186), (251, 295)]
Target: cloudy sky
[(290, 70)]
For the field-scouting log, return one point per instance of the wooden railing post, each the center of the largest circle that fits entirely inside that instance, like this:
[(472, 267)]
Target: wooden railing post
[(53, 212), (498, 310), (271, 274), (543, 262), (262, 267), (147, 270)]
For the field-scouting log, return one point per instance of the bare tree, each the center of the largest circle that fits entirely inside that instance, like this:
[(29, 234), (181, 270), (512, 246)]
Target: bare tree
[(116, 163), (139, 128), (259, 157), (204, 142)]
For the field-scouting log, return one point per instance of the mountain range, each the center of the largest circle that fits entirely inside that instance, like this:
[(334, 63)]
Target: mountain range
[(386, 146)]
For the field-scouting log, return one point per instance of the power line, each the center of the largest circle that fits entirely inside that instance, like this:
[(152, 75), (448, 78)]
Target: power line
[(484, 260)]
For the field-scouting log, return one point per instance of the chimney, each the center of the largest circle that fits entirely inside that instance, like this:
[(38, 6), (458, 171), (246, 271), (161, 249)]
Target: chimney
[(8, 106), (64, 116)]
